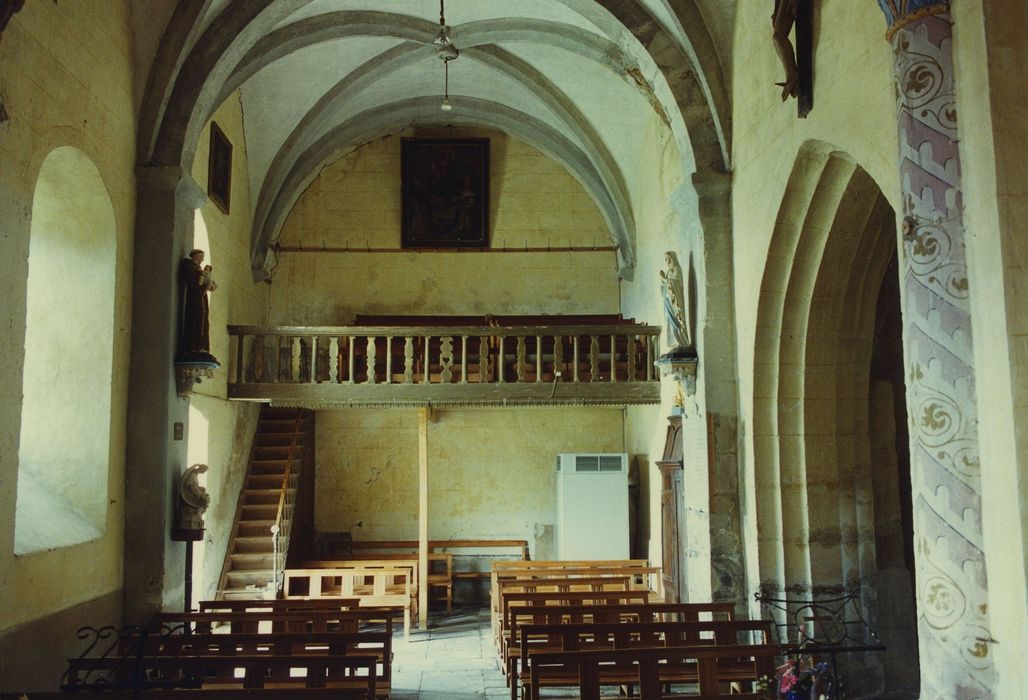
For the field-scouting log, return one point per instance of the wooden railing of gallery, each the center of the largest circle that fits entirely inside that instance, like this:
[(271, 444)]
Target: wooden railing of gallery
[(590, 364)]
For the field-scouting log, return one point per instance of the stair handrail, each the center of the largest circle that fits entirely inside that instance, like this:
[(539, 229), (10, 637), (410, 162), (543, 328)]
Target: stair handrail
[(278, 530)]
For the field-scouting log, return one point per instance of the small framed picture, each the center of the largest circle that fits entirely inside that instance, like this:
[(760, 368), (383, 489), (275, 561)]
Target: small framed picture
[(219, 169), (445, 193)]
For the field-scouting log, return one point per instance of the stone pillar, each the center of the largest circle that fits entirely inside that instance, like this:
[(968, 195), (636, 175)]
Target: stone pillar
[(952, 588), (154, 565), (727, 554)]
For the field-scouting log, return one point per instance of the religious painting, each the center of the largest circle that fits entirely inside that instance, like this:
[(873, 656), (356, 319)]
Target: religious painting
[(219, 169), (445, 193)]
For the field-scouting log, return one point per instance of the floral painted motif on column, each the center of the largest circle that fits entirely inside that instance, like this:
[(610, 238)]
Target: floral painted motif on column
[(953, 615)]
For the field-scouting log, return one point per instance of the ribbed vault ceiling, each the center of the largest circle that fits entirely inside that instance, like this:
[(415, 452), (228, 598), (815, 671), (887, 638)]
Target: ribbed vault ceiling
[(578, 79)]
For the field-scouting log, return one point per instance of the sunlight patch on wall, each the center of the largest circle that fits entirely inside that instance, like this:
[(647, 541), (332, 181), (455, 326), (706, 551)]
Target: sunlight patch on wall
[(64, 453)]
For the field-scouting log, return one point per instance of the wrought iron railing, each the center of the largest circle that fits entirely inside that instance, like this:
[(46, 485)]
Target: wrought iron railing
[(112, 661)]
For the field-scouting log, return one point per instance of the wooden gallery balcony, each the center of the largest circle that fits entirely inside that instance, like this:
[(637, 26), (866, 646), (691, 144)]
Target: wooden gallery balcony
[(451, 361)]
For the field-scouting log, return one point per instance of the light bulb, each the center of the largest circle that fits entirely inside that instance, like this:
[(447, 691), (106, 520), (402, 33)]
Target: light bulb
[(446, 106)]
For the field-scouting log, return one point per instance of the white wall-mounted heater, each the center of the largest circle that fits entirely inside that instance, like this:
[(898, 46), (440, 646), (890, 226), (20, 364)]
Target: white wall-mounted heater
[(592, 506)]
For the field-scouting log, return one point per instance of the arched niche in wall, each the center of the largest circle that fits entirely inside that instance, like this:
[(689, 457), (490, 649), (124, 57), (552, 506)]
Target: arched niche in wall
[(64, 450)]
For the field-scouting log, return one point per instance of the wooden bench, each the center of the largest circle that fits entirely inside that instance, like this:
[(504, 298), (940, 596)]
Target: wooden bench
[(202, 693), (364, 643), (603, 614), (377, 588), (440, 573), (267, 621), (567, 598), (515, 570), (655, 669), (539, 639), (295, 672), (295, 604), (505, 576)]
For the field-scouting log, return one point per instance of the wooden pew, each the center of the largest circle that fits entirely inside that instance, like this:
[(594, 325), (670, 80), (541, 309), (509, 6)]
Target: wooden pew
[(377, 588), (329, 620), (440, 574), (567, 598), (518, 570), (519, 546), (653, 670), (223, 672), (199, 693), (364, 643), (521, 615), (294, 604), (540, 639)]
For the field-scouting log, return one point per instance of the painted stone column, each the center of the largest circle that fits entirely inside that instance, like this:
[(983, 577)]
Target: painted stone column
[(952, 587)]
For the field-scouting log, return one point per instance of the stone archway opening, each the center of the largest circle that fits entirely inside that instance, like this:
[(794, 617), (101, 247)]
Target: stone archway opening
[(831, 465)]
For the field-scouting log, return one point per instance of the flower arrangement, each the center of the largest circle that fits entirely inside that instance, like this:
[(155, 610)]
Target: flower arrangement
[(798, 678)]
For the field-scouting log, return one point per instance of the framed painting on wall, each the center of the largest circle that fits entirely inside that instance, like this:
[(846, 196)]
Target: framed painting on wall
[(219, 169), (445, 193)]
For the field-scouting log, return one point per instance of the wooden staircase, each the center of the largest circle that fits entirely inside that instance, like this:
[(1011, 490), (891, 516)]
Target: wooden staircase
[(268, 497)]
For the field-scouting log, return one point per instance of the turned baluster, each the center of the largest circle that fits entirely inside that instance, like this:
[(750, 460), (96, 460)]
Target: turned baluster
[(313, 378), (631, 358), (538, 358), (333, 360), (649, 357), (574, 357), (483, 359), (613, 359), (408, 360), (371, 360), (594, 358), (427, 370), (389, 359), (520, 362), (446, 359), (500, 361), (294, 359), (464, 359), (351, 340)]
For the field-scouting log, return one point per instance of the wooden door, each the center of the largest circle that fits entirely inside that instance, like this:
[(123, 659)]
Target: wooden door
[(671, 468)]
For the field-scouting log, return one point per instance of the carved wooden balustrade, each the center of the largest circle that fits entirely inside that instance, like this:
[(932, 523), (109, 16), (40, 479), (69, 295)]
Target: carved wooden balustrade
[(606, 364)]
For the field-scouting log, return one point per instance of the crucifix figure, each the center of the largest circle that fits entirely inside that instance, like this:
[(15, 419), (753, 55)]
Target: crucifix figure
[(798, 61)]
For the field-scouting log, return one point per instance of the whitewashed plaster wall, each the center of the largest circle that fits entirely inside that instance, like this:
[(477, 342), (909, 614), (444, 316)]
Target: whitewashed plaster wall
[(491, 471), (78, 93), (667, 219), (355, 203)]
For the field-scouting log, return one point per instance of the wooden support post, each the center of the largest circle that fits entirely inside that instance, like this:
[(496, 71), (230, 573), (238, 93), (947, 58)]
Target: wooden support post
[(423, 518)]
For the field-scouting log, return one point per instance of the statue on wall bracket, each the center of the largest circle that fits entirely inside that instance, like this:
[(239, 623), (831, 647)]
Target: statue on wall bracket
[(194, 360), (681, 359), (193, 500), (798, 62)]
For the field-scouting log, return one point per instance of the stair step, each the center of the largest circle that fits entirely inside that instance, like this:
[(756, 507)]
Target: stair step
[(252, 561), (260, 577), (253, 544), (259, 512), (255, 528), (263, 481), (242, 594), (263, 497)]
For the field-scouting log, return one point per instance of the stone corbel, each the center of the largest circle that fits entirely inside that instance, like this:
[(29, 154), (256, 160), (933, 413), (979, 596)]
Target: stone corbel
[(681, 364), (189, 374)]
